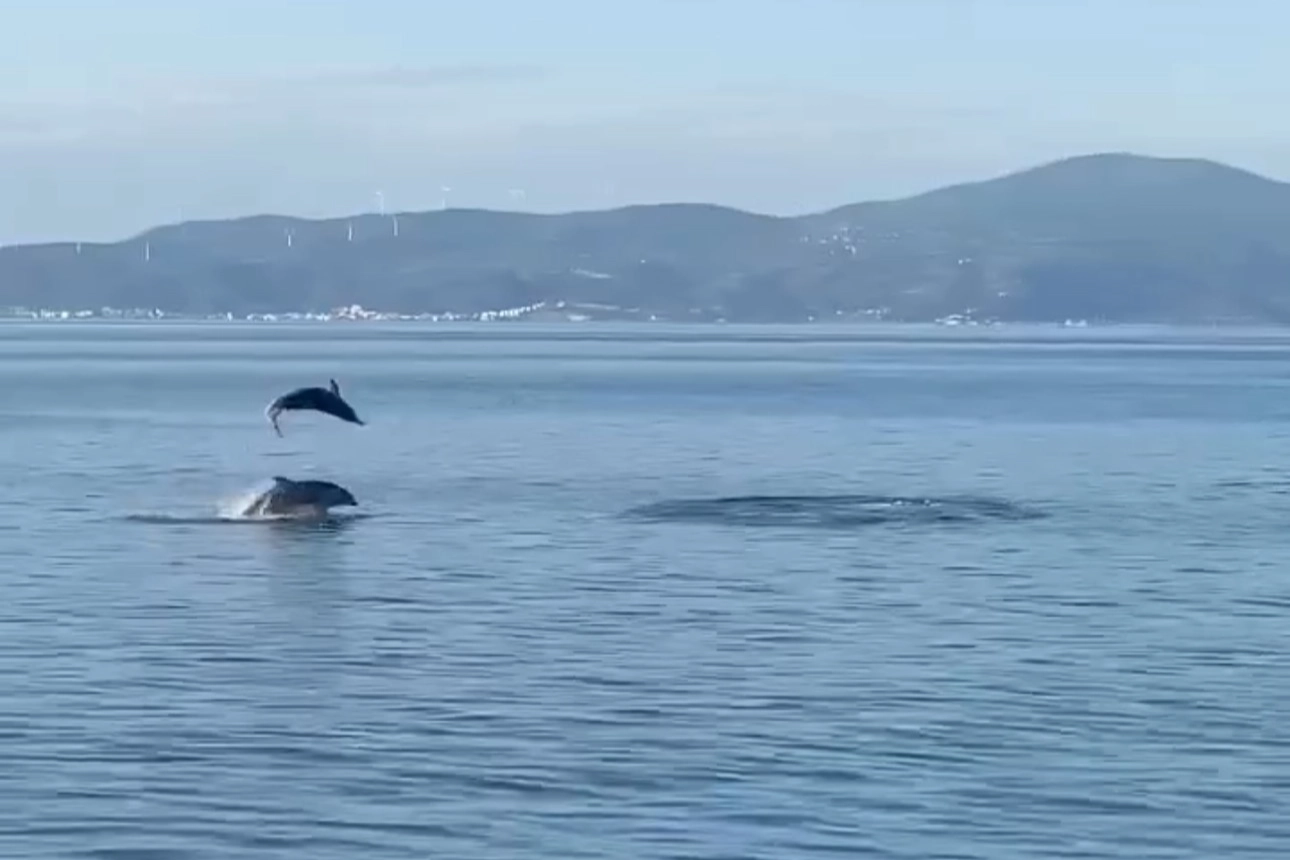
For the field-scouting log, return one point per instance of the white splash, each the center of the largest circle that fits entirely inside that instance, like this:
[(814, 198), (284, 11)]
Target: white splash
[(236, 507)]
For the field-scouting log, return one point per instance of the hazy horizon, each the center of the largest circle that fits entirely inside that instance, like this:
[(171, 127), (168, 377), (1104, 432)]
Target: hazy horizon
[(119, 119)]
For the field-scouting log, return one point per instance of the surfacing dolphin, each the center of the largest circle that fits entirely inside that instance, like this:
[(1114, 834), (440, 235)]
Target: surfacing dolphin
[(299, 499), (326, 400)]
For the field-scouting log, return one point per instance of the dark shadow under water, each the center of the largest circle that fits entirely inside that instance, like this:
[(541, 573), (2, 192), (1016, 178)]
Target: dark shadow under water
[(833, 511)]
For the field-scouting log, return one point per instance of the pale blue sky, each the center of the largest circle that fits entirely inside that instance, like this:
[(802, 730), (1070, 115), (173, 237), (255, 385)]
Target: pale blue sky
[(115, 116)]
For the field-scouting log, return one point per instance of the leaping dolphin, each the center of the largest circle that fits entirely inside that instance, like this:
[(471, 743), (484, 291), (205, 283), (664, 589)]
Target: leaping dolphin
[(299, 499), (326, 400)]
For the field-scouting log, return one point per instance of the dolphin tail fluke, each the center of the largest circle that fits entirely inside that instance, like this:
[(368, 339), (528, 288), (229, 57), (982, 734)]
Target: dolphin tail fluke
[(272, 413)]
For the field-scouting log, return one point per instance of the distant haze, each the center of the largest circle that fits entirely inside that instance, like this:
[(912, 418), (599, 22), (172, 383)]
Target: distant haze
[(118, 117)]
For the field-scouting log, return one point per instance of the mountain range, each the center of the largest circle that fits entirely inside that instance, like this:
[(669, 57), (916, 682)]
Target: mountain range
[(1110, 237)]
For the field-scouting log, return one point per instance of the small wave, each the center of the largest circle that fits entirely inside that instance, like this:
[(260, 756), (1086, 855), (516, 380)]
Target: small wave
[(1273, 485), (178, 520), (834, 512), (333, 523), (173, 519), (229, 511)]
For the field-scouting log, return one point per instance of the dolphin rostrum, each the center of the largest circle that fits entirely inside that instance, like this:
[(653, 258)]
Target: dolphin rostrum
[(299, 499), (326, 400)]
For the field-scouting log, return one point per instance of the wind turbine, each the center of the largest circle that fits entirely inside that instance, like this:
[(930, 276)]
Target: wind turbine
[(445, 189), (380, 202)]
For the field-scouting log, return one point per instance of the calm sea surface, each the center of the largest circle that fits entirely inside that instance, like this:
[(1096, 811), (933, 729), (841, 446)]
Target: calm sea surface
[(667, 592)]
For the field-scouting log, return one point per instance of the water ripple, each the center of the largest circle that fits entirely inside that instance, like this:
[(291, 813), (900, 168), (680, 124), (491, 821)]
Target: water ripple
[(833, 511), (518, 654)]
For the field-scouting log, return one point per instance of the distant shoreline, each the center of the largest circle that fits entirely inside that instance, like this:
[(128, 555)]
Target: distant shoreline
[(1091, 329)]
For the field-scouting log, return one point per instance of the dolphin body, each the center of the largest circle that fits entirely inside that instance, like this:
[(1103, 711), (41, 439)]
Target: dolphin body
[(326, 400), (299, 499)]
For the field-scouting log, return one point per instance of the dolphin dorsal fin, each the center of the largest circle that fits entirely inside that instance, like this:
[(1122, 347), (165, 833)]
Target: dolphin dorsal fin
[(335, 389)]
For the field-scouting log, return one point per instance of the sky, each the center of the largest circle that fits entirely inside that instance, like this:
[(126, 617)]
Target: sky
[(116, 117)]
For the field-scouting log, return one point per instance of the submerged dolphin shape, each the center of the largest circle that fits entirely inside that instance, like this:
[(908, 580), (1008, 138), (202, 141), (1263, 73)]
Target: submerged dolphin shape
[(299, 499), (327, 400)]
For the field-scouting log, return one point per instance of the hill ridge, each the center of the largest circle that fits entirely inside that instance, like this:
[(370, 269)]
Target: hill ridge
[(1108, 236)]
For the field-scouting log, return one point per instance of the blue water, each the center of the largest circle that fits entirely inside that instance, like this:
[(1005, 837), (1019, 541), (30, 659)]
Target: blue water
[(669, 592)]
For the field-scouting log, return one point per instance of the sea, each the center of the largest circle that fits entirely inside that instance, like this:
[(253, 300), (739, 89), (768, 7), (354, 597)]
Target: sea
[(711, 592)]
